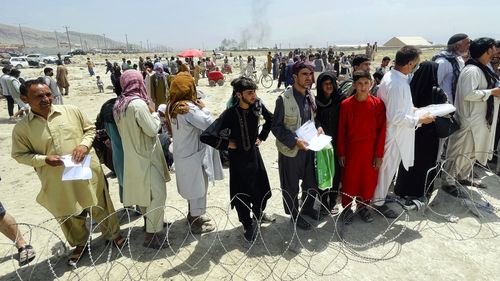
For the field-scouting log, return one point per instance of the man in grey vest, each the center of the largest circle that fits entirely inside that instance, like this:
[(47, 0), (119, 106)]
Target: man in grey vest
[(293, 108)]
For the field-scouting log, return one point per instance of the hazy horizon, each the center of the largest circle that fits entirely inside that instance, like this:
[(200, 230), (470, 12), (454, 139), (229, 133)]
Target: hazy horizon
[(260, 23)]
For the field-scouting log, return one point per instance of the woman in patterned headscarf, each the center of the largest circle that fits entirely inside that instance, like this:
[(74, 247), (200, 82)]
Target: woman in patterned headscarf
[(146, 169)]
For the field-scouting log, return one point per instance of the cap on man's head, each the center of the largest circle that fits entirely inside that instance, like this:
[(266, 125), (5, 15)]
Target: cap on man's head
[(480, 46), (456, 38), (163, 108), (297, 66), (359, 59)]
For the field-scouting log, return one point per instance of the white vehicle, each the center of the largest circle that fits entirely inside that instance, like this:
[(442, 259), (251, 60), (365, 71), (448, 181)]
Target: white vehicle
[(19, 62), (24, 62), (219, 56), (42, 58)]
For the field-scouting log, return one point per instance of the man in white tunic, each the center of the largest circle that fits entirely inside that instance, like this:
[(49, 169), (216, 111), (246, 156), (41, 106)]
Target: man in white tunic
[(477, 107), (145, 168), (394, 90), (195, 162)]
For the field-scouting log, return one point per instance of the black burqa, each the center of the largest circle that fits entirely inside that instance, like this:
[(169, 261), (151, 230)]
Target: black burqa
[(412, 183), (327, 114)]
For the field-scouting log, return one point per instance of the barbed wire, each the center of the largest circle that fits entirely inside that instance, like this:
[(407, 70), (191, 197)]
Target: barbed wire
[(281, 250)]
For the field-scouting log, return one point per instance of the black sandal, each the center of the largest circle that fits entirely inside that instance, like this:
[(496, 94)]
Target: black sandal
[(387, 212), (26, 254), (157, 242)]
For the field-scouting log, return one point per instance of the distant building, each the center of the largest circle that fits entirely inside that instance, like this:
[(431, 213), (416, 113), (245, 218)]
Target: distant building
[(401, 41)]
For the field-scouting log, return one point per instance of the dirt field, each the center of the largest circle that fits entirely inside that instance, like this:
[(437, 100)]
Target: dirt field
[(447, 241)]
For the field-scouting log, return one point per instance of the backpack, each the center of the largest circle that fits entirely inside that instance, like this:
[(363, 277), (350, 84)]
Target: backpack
[(345, 87)]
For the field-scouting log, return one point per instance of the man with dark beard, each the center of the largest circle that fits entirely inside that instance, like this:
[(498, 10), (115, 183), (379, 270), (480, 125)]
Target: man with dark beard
[(328, 100), (476, 91), (293, 108), (249, 184)]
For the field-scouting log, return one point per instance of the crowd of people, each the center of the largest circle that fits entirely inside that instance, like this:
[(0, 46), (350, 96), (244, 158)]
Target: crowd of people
[(159, 121)]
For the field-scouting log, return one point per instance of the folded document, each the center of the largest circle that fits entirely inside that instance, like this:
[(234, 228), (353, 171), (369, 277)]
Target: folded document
[(309, 133), (76, 171)]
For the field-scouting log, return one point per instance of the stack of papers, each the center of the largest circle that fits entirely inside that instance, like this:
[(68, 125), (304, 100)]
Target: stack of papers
[(309, 133), (436, 110), (76, 171)]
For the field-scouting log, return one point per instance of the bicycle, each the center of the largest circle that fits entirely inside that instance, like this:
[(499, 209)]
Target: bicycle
[(266, 79)]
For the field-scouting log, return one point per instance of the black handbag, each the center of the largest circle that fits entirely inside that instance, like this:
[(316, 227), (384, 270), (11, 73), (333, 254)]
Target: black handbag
[(445, 126)]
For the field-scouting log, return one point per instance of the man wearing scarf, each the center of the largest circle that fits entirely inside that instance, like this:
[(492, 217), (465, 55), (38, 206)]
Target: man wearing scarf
[(328, 100), (293, 108), (195, 162), (249, 185), (145, 168), (158, 85), (476, 101)]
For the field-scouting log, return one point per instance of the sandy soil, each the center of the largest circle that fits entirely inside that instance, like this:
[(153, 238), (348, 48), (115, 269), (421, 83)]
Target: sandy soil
[(448, 241)]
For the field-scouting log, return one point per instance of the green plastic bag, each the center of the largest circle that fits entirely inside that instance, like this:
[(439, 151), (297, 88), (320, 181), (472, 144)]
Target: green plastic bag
[(325, 167)]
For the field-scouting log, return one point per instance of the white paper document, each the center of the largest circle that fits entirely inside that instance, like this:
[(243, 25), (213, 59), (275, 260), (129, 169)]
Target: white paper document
[(436, 110), (309, 133), (76, 171), (319, 142)]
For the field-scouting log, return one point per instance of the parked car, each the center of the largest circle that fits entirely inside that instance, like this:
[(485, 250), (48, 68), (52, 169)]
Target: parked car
[(19, 62), (24, 62), (42, 58), (77, 52), (4, 63)]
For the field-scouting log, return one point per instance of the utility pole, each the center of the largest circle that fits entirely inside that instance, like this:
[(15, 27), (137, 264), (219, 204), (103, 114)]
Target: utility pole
[(22, 36), (67, 34), (57, 40), (126, 41), (81, 42), (105, 44), (147, 45), (141, 45)]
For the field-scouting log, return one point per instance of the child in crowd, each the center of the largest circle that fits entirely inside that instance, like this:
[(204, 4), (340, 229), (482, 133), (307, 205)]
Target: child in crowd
[(100, 84), (360, 146)]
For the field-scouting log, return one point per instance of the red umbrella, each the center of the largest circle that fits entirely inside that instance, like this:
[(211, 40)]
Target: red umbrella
[(190, 53)]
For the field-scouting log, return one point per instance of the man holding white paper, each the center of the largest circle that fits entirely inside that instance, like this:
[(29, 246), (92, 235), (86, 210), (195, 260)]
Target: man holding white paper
[(39, 140), (395, 92), (295, 107)]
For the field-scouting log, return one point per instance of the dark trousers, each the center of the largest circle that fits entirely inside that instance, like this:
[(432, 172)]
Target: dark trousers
[(291, 170), (243, 205), (10, 105)]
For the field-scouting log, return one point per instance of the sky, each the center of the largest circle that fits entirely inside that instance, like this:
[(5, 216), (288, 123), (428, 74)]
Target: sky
[(286, 23)]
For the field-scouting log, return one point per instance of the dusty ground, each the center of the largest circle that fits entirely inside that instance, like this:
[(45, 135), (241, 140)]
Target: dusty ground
[(418, 245)]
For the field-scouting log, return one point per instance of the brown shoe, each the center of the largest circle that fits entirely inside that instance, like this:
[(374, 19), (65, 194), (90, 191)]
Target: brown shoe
[(77, 254)]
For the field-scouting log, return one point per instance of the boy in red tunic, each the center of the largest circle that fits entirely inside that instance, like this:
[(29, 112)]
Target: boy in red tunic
[(360, 145)]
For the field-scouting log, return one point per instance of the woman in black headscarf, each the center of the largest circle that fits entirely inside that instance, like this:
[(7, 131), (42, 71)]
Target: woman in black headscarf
[(412, 183), (328, 101)]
